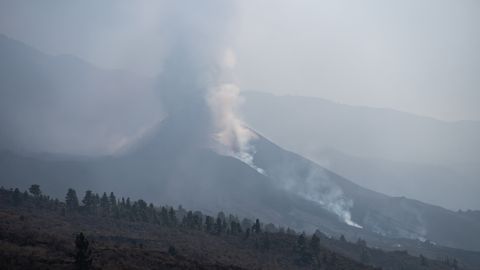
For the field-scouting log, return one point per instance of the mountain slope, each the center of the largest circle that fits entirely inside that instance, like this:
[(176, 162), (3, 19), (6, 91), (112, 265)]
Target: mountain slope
[(63, 104), (380, 145), (302, 194), (390, 216), (168, 166)]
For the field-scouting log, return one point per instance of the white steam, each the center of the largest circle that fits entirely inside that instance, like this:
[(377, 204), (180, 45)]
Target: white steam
[(197, 83), (231, 132), (317, 187), (329, 195)]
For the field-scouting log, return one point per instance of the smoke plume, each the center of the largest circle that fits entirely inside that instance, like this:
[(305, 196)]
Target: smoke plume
[(197, 83)]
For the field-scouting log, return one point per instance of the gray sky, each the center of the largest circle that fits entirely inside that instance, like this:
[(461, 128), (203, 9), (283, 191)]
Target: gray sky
[(417, 56)]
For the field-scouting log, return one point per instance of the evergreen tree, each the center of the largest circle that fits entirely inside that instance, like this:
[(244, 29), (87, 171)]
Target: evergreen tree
[(105, 204), (315, 243), (247, 233), (113, 199), (172, 217), (209, 224), (164, 216), (83, 252), (35, 190), (96, 202), (71, 200), (302, 243), (256, 227), (188, 220), (218, 226), (89, 202), (291, 231), (197, 220), (17, 197), (304, 257)]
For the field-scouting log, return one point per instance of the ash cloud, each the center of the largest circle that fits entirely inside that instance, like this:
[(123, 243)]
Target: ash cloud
[(197, 84)]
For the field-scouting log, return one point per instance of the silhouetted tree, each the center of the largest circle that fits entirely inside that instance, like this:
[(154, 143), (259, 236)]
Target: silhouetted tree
[(247, 233), (303, 256), (113, 199), (315, 243), (172, 217), (83, 253), (218, 226), (105, 204), (209, 224), (89, 202), (301, 243), (35, 190), (256, 227), (197, 220), (164, 216), (17, 197), (71, 200)]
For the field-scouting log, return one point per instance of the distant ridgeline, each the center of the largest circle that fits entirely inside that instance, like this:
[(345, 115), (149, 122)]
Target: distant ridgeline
[(37, 231)]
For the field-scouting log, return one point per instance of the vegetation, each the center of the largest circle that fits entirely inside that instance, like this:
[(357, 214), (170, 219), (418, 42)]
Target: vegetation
[(39, 232)]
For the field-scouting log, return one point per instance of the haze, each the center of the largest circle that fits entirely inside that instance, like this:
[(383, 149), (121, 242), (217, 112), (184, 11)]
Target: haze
[(415, 56), (418, 57)]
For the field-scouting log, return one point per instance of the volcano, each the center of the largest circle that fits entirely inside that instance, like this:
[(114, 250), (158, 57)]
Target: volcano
[(167, 166), (172, 165)]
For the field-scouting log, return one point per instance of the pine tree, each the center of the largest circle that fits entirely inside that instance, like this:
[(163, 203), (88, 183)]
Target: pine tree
[(164, 216), (304, 257), (113, 199), (89, 202), (35, 190), (302, 243), (83, 253), (247, 233), (105, 204), (315, 243), (218, 226), (172, 217), (209, 224), (17, 197), (71, 200), (256, 227)]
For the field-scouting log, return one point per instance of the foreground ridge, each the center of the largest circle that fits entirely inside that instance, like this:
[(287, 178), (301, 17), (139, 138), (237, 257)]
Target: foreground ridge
[(39, 232)]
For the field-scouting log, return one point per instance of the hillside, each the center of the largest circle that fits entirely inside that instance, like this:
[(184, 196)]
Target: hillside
[(43, 92), (382, 149), (38, 233)]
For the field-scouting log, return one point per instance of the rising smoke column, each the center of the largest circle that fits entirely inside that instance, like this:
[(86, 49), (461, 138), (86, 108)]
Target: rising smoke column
[(197, 83), (199, 93)]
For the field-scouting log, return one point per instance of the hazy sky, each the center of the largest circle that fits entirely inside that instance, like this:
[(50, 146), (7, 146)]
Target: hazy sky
[(420, 56)]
